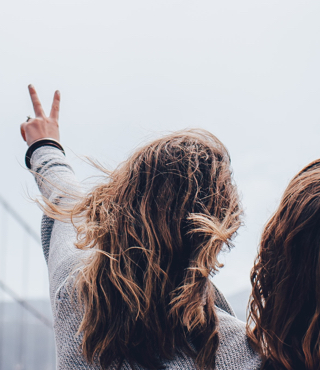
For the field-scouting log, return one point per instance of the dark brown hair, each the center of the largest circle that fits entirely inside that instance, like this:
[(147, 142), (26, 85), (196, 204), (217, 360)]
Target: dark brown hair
[(285, 299), (156, 226)]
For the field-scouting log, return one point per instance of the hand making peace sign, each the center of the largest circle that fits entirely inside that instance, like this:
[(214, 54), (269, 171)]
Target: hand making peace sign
[(41, 126)]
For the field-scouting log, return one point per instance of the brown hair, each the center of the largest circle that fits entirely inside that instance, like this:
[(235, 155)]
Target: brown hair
[(156, 226), (285, 299)]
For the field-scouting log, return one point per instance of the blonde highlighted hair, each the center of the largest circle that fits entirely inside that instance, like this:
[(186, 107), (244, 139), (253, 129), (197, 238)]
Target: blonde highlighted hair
[(156, 227)]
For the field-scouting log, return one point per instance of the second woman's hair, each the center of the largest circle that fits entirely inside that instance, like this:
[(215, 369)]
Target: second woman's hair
[(285, 301), (156, 226)]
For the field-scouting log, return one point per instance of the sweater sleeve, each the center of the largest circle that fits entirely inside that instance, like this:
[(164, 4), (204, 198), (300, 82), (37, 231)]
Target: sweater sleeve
[(55, 177), (52, 172)]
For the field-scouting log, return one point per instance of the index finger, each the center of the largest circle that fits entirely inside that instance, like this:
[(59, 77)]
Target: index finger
[(37, 107)]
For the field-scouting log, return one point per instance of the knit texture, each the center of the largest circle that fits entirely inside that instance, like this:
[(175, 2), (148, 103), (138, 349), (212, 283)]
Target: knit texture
[(54, 176)]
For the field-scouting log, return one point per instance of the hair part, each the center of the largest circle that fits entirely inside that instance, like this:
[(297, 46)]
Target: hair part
[(155, 227), (284, 307)]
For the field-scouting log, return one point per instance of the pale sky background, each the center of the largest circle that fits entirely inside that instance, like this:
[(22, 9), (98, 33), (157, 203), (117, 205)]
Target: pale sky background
[(129, 71)]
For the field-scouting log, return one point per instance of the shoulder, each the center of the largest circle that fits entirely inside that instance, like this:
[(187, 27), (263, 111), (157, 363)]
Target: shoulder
[(234, 350)]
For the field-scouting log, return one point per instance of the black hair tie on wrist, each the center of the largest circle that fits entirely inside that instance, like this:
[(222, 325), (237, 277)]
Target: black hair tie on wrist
[(37, 144)]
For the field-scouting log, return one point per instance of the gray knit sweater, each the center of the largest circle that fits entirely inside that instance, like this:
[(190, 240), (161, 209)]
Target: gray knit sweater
[(234, 352)]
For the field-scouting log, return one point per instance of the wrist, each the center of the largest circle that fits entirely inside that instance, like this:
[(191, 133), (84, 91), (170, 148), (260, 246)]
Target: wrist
[(44, 138), (39, 143), (31, 140)]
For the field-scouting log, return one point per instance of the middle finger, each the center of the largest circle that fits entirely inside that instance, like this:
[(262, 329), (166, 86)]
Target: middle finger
[(36, 102)]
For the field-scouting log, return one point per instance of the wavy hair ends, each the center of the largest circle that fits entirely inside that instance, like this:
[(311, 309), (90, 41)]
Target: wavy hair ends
[(284, 308), (155, 228)]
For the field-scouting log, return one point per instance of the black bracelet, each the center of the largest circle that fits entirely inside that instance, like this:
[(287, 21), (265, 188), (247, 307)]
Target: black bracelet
[(37, 144)]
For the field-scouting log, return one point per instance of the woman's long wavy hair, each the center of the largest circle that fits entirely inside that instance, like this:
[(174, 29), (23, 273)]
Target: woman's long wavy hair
[(156, 226), (285, 300)]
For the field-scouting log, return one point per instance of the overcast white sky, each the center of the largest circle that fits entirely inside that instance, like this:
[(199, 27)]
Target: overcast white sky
[(248, 71)]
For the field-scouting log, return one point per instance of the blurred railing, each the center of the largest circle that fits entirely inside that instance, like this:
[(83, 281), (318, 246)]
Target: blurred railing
[(26, 334)]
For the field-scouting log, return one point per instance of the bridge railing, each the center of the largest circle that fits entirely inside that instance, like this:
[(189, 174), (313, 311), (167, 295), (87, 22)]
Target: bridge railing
[(26, 334)]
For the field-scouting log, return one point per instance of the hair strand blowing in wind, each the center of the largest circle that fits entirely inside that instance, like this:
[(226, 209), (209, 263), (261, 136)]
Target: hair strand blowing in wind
[(155, 227)]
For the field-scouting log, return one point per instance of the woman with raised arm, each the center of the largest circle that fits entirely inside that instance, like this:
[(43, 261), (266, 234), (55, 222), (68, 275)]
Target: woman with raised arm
[(284, 312), (129, 262)]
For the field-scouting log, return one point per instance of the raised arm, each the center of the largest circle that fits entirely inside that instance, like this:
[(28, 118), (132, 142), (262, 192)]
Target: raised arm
[(53, 175)]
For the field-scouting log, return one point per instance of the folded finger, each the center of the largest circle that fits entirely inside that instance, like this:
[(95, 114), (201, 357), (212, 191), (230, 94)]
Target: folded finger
[(55, 106), (23, 132), (36, 102)]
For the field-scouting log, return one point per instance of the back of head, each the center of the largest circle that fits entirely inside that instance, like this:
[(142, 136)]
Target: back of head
[(285, 301), (156, 226)]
